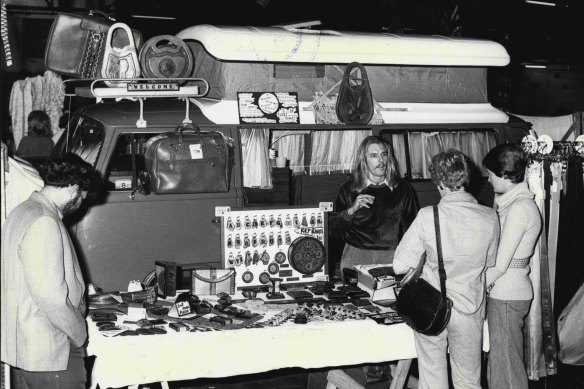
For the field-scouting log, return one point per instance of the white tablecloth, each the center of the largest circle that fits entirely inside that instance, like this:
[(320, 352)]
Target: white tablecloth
[(130, 360)]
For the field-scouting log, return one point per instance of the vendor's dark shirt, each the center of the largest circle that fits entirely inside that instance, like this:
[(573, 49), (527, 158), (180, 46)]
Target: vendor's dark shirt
[(379, 227)]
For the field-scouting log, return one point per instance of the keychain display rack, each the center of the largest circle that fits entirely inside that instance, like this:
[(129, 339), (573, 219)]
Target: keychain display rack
[(284, 244)]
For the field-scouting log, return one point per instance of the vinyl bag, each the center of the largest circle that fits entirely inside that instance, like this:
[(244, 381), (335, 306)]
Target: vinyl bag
[(76, 43), (206, 282), (188, 161), (424, 308)]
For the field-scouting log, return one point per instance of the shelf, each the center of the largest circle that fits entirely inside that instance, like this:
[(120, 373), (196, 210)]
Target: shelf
[(139, 88)]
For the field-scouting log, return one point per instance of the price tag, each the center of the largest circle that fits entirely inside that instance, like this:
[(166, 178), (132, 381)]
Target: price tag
[(183, 308), (221, 211), (325, 206), (196, 151)]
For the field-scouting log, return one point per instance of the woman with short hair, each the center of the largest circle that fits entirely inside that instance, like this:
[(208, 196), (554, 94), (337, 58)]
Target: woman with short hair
[(509, 285), (469, 237)]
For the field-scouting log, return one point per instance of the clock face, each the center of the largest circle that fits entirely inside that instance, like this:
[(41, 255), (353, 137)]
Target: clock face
[(268, 103)]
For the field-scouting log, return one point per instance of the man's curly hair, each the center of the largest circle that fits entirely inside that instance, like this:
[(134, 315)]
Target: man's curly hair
[(70, 169), (450, 168)]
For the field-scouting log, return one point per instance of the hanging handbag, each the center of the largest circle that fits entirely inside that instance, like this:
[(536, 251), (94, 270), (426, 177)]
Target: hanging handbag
[(423, 307), (189, 162), (355, 102), (206, 282), (120, 62), (76, 43)]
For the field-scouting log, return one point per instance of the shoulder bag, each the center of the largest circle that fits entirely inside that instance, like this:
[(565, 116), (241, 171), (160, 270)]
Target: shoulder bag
[(423, 307)]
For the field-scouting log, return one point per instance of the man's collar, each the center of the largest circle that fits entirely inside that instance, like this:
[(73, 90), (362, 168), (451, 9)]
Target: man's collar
[(373, 183)]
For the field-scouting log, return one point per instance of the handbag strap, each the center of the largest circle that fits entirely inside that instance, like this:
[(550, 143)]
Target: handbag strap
[(349, 69), (213, 275), (441, 271)]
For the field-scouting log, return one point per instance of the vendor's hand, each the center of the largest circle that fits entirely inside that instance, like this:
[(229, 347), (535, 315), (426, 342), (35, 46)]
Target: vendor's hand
[(362, 201)]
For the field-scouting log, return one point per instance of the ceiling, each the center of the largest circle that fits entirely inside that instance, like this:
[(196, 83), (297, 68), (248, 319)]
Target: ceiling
[(530, 32)]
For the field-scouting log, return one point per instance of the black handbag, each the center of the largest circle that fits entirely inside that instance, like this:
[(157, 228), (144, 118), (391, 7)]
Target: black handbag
[(190, 162), (76, 43), (355, 101), (423, 307)]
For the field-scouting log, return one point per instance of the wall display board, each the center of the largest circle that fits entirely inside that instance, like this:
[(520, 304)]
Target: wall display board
[(286, 244)]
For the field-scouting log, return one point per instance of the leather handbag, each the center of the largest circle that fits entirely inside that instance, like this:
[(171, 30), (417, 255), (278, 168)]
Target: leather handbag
[(188, 161), (355, 102), (206, 282), (76, 43), (424, 308)]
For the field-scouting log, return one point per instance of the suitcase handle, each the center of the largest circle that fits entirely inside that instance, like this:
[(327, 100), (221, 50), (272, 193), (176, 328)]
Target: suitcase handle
[(96, 12), (189, 127)]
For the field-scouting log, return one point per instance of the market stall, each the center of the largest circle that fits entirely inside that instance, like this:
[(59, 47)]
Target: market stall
[(219, 352)]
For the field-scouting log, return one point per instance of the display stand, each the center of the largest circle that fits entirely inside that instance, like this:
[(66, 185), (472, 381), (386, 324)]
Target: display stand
[(139, 89), (283, 244)]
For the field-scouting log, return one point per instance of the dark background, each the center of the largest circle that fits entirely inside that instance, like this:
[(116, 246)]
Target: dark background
[(549, 36)]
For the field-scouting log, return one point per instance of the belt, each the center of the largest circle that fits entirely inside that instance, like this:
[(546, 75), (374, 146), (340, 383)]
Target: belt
[(519, 262)]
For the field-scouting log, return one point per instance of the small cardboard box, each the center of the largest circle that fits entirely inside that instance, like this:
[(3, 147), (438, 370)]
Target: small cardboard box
[(374, 277)]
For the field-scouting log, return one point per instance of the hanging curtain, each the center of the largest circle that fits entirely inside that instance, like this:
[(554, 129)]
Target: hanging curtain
[(417, 154), (476, 146), (349, 144), (255, 156), (434, 143), (425, 145), (334, 151), (291, 147), (399, 151), (325, 152)]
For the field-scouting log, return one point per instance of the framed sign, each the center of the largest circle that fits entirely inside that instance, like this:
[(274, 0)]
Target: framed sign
[(268, 107)]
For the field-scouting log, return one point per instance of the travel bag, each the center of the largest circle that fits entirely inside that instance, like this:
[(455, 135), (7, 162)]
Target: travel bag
[(188, 161)]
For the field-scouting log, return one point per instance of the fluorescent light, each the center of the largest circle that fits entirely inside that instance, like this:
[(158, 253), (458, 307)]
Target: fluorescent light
[(154, 17), (535, 66), (548, 3)]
